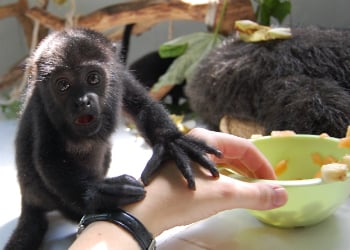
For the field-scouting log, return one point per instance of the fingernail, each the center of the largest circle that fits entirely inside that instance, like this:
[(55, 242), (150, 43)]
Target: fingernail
[(280, 196)]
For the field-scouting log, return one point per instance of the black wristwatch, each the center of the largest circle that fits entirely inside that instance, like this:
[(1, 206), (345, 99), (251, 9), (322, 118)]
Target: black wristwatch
[(125, 220)]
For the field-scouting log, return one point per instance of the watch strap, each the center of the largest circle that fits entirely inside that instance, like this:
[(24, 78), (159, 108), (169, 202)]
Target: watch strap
[(126, 221)]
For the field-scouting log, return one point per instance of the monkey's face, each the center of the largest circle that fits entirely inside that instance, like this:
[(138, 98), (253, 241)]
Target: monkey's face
[(78, 83), (79, 94)]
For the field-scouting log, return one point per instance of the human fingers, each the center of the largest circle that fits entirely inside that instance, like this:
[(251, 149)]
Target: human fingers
[(259, 196), (211, 196), (230, 193), (237, 153)]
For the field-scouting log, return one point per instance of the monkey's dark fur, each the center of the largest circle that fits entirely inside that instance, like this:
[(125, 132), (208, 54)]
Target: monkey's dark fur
[(300, 84), (76, 90)]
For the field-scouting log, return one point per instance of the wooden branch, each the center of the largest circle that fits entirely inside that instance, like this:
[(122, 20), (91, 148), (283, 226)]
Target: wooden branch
[(145, 14), (152, 11), (45, 18), (26, 23), (236, 10), (160, 93), (138, 29), (144, 11), (8, 10)]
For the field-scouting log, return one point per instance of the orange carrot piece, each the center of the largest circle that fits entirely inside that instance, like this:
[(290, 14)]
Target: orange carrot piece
[(344, 142), (317, 159), (348, 132), (281, 167), (329, 159), (318, 174)]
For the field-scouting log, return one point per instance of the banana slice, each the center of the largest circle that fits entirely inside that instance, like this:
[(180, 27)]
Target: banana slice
[(346, 160), (250, 31), (334, 172)]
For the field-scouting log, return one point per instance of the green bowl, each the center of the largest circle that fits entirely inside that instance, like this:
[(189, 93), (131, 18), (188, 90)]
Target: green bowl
[(310, 200)]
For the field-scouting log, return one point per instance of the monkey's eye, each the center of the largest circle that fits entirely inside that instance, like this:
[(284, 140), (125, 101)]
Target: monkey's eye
[(93, 78), (62, 84)]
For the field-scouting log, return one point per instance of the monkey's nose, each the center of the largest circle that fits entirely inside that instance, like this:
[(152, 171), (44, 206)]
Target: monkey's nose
[(84, 102)]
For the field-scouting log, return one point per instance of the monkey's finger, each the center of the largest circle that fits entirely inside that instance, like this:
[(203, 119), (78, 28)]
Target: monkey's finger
[(200, 144), (121, 190), (199, 157), (207, 164), (183, 163), (121, 185), (125, 178), (158, 157)]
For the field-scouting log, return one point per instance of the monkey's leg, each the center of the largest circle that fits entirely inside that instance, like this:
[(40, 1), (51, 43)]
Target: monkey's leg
[(30, 230)]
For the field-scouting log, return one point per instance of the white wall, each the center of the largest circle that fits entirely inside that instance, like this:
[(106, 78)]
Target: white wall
[(304, 12), (325, 13)]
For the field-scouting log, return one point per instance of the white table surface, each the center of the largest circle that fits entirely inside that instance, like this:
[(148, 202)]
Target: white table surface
[(231, 230)]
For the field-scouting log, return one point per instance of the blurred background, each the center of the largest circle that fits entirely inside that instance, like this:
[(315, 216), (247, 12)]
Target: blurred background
[(13, 47)]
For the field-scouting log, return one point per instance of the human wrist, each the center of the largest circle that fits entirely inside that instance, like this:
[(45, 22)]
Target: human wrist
[(149, 214), (124, 220), (110, 234), (157, 211)]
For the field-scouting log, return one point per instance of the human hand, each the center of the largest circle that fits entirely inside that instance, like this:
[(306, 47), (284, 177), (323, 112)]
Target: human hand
[(173, 204), (169, 203), (238, 154), (182, 149)]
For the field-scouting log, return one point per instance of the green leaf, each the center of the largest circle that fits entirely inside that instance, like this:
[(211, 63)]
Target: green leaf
[(11, 111), (281, 11), (199, 45), (263, 16), (272, 8), (270, 4), (166, 50), (212, 44), (178, 46)]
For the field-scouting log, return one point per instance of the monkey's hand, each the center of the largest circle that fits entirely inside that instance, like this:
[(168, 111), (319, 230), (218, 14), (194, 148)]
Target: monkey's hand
[(111, 193), (182, 149)]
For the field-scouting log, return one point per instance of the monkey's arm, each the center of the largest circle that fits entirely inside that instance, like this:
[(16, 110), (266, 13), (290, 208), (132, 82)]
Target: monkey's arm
[(162, 134)]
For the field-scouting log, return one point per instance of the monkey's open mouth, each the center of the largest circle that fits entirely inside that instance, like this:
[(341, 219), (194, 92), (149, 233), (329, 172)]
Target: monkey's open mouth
[(84, 119)]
